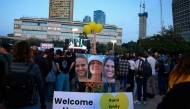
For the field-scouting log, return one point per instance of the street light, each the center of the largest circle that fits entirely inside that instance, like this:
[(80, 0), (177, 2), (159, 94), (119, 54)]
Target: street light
[(74, 29), (113, 41)]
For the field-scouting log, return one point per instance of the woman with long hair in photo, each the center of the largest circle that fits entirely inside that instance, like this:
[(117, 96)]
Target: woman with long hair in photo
[(81, 67), (109, 73), (109, 69)]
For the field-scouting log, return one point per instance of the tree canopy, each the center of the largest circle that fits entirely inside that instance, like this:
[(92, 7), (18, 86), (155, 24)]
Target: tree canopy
[(171, 42)]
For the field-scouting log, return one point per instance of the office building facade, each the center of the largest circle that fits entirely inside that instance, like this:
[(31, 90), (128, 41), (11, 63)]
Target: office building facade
[(48, 30), (61, 9), (87, 19), (181, 17), (99, 17)]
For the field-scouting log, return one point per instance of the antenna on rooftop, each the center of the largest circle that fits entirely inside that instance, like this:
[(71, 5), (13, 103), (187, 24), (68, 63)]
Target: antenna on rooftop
[(140, 6), (143, 7)]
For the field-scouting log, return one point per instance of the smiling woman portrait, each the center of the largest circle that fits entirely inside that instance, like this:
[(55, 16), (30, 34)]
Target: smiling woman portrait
[(95, 63), (109, 69), (81, 67)]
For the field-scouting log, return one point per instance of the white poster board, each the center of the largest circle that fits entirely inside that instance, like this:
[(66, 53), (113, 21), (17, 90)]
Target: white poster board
[(77, 100)]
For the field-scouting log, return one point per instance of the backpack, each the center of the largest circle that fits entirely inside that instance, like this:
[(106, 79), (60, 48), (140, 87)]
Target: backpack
[(18, 88), (145, 69), (167, 68)]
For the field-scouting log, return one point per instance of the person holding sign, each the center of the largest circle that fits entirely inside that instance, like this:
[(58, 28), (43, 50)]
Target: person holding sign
[(95, 67), (109, 69), (81, 67)]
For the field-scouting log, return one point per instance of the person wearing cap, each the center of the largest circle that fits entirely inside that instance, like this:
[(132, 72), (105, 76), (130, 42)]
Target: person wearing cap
[(5, 57), (95, 68)]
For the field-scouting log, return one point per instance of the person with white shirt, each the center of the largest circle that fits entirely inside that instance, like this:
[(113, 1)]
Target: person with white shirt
[(152, 62), (141, 81), (131, 74)]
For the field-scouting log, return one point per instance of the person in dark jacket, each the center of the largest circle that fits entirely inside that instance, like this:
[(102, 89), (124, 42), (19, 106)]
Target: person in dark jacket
[(177, 97), (22, 59), (5, 56), (162, 78), (44, 68)]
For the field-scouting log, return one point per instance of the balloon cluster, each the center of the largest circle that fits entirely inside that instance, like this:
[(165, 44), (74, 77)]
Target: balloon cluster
[(92, 26)]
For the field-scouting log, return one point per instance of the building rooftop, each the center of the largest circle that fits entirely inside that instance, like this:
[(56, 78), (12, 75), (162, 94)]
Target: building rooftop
[(61, 21)]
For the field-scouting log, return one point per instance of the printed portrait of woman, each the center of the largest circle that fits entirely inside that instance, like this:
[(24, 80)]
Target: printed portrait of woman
[(81, 67), (95, 63), (108, 69)]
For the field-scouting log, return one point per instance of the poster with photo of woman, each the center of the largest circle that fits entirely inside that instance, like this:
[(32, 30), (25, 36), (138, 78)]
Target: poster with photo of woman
[(108, 69), (95, 67), (81, 68)]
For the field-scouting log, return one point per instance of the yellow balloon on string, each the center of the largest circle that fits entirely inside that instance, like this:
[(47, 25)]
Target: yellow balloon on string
[(98, 28), (87, 29), (92, 25)]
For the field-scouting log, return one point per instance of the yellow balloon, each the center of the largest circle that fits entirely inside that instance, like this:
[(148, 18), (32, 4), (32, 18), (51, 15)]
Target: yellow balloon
[(98, 28), (92, 25), (87, 29)]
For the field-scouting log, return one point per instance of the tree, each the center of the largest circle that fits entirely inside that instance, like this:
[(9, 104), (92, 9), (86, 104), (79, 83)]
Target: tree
[(34, 41), (58, 43), (7, 40), (110, 46), (120, 49), (172, 42), (132, 47), (117, 48), (101, 48)]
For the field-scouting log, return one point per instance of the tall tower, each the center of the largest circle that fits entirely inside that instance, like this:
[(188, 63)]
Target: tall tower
[(99, 17), (181, 17), (61, 9), (142, 22), (87, 19)]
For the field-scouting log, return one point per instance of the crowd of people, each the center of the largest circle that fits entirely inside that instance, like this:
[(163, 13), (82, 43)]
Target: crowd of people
[(51, 71)]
